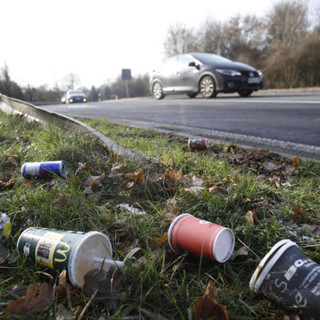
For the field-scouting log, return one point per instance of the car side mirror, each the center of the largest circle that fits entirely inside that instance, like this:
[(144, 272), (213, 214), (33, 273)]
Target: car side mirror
[(193, 64)]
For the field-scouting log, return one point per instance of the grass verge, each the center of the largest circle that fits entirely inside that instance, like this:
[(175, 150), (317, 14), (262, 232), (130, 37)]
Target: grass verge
[(262, 197)]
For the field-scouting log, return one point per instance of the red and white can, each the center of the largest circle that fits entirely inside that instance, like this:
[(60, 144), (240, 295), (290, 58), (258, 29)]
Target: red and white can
[(190, 234), (198, 143)]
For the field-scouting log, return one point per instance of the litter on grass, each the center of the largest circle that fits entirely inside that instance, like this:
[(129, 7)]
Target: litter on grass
[(77, 252), (47, 169)]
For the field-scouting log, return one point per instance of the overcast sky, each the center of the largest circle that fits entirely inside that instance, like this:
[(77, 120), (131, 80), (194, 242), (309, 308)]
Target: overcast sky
[(44, 40)]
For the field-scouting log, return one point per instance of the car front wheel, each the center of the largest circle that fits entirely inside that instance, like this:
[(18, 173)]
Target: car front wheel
[(157, 91), (207, 87)]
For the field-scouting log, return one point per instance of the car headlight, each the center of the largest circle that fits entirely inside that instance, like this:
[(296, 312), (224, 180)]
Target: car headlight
[(71, 100), (228, 72), (260, 73), (84, 100)]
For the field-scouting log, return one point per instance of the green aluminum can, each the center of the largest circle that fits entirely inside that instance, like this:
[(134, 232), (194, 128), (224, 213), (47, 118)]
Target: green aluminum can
[(77, 252)]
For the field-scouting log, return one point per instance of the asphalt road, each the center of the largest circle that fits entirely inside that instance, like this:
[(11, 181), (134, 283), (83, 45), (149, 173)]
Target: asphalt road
[(284, 123)]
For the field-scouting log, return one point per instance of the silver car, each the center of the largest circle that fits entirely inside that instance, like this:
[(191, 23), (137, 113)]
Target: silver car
[(74, 96), (205, 73)]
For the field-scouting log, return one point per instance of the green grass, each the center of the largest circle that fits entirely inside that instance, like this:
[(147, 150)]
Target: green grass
[(166, 285)]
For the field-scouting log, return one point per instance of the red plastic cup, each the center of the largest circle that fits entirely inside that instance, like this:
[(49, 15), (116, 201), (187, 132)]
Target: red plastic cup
[(190, 234)]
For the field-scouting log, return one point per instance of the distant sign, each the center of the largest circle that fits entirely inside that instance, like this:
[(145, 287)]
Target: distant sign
[(126, 74)]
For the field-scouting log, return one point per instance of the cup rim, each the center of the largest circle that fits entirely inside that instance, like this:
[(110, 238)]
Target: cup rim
[(172, 226), (268, 262)]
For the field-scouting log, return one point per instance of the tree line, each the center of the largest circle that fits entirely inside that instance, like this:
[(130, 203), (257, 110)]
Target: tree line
[(138, 87), (284, 44)]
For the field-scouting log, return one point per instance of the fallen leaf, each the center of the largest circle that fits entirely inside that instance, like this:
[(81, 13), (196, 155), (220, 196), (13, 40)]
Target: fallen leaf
[(62, 313), (92, 182), (249, 217), (62, 283), (270, 167), (173, 206), (169, 217), (194, 189), (5, 183), (300, 214), (219, 190), (130, 209), (292, 316), (207, 306), (154, 255), (174, 175), (136, 177), (241, 252), (12, 159), (32, 303), (296, 161), (159, 242)]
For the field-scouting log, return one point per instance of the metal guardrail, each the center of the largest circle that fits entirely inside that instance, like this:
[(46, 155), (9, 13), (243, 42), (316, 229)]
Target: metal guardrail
[(11, 105)]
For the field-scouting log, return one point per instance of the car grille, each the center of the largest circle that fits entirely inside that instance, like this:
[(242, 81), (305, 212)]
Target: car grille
[(250, 74)]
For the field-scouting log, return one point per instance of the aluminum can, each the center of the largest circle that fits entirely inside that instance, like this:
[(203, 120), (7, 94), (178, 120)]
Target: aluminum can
[(289, 277), (188, 234), (44, 169), (198, 143), (77, 252)]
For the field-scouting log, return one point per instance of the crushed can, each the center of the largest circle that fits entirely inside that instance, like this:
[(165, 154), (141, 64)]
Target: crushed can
[(75, 251), (288, 277), (198, 143), (46, 169)]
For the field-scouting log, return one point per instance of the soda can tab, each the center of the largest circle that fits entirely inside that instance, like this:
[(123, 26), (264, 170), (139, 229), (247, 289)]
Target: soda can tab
[(44, 169), (188, 234), (198, 143), (288, 277), (77, 252), (5, 226)]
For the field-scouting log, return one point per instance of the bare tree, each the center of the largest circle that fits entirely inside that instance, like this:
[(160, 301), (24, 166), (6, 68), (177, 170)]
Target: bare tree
[(287, 22), (180, 39)]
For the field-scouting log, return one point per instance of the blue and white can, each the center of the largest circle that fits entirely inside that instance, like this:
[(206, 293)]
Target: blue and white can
[(44, 169)]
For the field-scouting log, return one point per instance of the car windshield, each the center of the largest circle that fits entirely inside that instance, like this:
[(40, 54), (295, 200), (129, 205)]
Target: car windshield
[(75, 92), (208, 58)]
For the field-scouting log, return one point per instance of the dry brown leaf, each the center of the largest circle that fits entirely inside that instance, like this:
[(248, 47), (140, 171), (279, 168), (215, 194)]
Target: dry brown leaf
[(241, 252), (173, 206), (5, 183), (174, 175), (12, 159), (159, 242), (296, 161), (207, 306), (300, 214), (292, 316), (32, 303), (219, 190), (136, 177), (169, 217), (92, 182), (195, 189), (250, 217)]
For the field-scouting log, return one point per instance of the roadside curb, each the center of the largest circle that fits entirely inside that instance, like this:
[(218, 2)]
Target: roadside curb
[(11, 105)]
